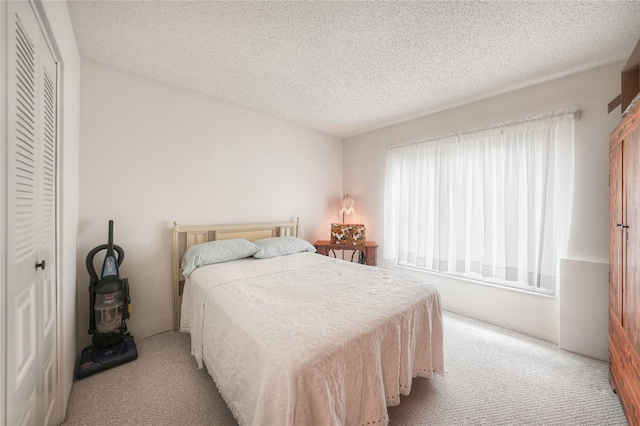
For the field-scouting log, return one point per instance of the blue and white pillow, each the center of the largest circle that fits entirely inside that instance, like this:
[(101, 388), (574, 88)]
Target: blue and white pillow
[(281, 246), (216, 252)]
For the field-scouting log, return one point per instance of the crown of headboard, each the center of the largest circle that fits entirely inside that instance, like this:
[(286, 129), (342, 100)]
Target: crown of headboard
[(186, 236)]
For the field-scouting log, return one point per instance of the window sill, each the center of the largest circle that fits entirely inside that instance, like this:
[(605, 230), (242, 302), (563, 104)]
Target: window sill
[(475, 281)]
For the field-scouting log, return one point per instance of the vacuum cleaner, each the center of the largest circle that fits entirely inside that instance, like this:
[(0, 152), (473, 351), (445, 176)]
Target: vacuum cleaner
[(109, 309)]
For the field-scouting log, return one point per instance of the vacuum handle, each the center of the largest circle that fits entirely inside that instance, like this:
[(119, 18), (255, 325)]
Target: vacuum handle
[(110, 234), (120, 257), (92, 253), (110, 266)]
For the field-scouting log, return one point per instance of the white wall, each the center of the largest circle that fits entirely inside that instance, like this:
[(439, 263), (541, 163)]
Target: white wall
[(58, 24), (591, 91), (584, 325), (152, 153)]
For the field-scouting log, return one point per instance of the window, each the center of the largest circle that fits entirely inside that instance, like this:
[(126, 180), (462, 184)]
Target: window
[(484, 204)]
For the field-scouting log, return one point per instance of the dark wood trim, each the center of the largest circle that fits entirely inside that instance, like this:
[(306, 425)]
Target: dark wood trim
[(614, 103)]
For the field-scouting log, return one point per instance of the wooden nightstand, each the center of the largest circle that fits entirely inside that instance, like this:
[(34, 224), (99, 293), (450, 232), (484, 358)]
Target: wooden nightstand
[(369, 249)]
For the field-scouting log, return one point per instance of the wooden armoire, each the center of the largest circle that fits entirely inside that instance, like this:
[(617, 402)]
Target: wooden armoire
[(624, 257)]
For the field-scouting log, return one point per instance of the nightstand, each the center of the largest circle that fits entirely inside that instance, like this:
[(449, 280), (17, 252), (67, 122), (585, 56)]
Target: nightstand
[(369, 249)]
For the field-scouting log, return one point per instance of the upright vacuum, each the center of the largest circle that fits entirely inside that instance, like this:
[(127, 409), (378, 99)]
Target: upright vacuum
[(108, 310)]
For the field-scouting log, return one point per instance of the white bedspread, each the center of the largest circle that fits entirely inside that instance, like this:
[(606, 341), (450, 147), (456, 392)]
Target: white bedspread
[(306, 339)]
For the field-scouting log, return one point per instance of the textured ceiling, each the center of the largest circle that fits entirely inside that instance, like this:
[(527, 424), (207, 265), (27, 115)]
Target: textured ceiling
[(346, 68)]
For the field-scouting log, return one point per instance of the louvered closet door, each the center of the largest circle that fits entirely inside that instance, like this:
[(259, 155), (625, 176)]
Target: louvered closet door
[(31, 386)]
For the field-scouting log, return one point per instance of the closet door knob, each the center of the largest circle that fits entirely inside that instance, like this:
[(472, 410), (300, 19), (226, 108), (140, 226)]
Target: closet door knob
[(40, 265)]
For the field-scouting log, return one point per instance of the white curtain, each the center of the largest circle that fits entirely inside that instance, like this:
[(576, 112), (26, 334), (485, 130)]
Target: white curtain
[(481, 204)]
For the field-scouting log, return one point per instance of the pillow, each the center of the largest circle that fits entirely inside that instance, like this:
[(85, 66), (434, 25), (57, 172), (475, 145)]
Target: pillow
[(281, 246), (216, 252)]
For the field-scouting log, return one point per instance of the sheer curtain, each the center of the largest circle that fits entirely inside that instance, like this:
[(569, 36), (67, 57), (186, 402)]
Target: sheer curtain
[(483, 203)]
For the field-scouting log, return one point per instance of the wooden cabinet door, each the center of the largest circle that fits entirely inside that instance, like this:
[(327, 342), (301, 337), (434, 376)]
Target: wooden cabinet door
[(631, 291), (615, 232)]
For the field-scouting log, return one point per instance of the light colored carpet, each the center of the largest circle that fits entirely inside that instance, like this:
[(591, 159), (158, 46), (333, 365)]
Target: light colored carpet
[(494, 377)]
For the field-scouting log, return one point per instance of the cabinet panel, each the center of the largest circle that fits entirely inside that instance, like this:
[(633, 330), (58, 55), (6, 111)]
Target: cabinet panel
[(615, 232), (630, 303), (625, 370)]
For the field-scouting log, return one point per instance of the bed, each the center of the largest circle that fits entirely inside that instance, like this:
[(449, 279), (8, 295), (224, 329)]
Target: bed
[(297, 338)]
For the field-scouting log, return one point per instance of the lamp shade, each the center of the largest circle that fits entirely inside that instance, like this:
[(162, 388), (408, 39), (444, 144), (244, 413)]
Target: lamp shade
[(347, 205)]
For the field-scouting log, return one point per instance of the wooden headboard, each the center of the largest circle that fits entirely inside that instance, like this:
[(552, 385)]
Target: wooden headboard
[(185, 237)]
